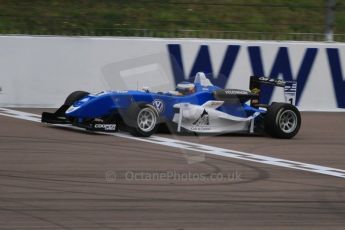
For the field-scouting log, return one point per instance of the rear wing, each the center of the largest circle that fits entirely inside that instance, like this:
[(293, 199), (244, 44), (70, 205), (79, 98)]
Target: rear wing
[(290, 88)]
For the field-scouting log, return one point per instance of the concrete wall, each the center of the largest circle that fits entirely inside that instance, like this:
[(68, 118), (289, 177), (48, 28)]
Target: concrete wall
[(42, 71)]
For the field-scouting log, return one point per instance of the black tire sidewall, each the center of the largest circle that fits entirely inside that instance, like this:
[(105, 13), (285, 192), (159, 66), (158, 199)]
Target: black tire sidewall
[(272, 116), (75, 96)]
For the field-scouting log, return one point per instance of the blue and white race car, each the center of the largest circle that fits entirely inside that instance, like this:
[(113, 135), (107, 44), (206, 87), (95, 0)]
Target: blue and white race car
[(198, 107)]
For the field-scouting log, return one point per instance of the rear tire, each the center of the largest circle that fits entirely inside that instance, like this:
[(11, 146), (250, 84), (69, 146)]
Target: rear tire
[(282, 120)]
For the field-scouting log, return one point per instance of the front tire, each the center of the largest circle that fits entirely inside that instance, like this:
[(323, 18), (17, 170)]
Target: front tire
[(282, 120), (144, 119), (75, 96)]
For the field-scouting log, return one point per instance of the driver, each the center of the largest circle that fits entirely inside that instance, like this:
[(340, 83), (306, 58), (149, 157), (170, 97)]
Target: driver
[(185, 88)]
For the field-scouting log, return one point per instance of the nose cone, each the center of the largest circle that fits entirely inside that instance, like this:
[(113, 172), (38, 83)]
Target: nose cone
[(72, 111), (75, 109)]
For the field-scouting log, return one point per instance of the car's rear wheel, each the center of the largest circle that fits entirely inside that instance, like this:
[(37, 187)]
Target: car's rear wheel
[(282, 120), (144, 120)]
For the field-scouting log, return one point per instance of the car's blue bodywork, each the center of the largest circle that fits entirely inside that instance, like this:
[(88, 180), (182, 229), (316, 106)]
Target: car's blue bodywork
[(104, 103)]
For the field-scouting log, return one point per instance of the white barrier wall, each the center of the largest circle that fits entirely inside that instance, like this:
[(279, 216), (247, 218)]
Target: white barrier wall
[(42, 71)]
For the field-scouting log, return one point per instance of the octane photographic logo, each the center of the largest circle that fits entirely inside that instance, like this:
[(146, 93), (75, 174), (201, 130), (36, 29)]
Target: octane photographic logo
[(110, 176), (172, 176), (159, 105)]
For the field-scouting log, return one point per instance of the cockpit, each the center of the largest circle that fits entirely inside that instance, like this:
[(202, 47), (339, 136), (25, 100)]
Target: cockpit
[(201, 82), (185, 88)]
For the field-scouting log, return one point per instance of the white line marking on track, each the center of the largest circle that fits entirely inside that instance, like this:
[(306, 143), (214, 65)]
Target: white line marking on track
[(190, 146)]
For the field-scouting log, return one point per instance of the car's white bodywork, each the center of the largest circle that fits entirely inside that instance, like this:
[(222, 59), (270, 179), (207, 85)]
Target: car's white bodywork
[(207, 119)]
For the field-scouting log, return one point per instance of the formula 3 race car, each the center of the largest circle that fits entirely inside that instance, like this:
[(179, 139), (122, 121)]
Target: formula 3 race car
[(199, 108)]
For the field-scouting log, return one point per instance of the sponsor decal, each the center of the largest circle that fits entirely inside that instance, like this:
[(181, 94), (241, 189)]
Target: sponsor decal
[(200, 128), (159, 105), (202, 123), (121, 91), (290, 87), (278, 82), (235, 92), (203, 119), (107, 127), (255, 91), (216, 103), (115, 91)]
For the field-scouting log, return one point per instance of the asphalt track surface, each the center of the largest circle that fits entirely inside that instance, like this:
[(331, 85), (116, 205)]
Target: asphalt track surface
[(57, 178)]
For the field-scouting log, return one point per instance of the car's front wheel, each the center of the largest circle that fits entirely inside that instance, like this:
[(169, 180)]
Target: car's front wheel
[(75, 96), (282, 120), (144, 121)]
